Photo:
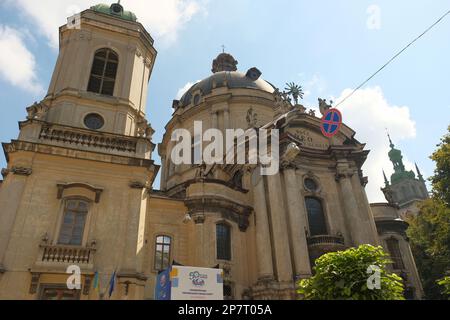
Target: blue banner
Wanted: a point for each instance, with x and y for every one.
(163, 286)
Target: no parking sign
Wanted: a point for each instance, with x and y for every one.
(331, 123)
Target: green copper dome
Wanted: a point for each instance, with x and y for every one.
(115, 10)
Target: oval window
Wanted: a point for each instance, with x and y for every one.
(311, 185)
(94, 121)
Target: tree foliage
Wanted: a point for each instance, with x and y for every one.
(429, 234)
(344, 275)
(445, 284)
(429, 231)
(441, 178)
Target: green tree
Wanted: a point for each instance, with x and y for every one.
(344, 275)
(429, 234)
(429, 231)
(441, 178)
(445, 283)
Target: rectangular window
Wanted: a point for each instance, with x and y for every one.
(223, 240)
(163, 247)
(393, 247)
(58, 293)
(74, 221)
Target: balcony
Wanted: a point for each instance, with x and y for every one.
(322, 244)
(59, 256)
(88, 139)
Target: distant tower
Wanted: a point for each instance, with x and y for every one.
(404, 190)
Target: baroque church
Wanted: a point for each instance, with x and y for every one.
(78, 187)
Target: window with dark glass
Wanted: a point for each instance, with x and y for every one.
(162, 252)
(94, 121)
(310, 185)
(223, 240)
(103, 73)
(393, 247)
(58, 293)
(74, 221)
(316, 217)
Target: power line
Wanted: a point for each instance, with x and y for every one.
(393, 58)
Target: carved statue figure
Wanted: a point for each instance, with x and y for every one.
(324, 106)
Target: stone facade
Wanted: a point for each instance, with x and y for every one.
(58, 159)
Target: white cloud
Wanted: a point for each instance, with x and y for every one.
(17, 63)
(163, 19)
(370, 114)
(185, 88)
(315, 86)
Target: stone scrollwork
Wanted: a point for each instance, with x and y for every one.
(37, 111)
(22, 171)
(289, 156)
(282, 102)
(144, 129)
(343, 174)
(199, 218)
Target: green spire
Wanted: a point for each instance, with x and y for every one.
(395, 155)
(386, 181)
(419, 174)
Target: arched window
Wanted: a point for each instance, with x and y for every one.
(223, 241)
(393, 247)
(163, 248)
(103, 73)
(74, 221)
(316, 217)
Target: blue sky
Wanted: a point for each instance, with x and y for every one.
(326, 46)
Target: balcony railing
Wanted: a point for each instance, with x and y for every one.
(66, 254)
(87, 138)
(325, 240)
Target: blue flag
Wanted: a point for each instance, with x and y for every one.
(112, 284)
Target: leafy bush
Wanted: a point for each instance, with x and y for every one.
(344, 275)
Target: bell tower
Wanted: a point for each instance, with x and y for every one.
(404, 189)
(75, 190)
(105, 61)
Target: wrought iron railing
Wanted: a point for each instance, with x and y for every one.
(325, 239)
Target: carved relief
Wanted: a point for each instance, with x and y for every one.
(37, 111)
(252, 118)
(22, 171)
(144, 129)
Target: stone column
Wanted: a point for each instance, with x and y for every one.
(263, 245)
(353, 217)
(199, 242)
(279, 229)
(136, 212)
(297, 224)
(10, 199)
(215, 122)
(165, 165)
(226, 119)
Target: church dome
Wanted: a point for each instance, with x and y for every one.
(115, 10)
(225, 74)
